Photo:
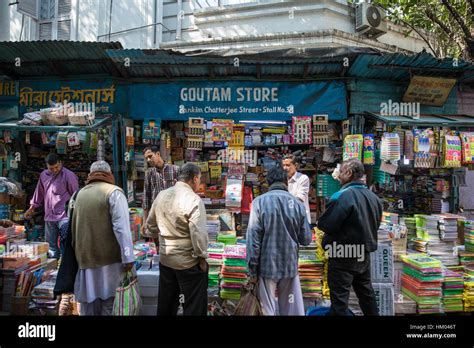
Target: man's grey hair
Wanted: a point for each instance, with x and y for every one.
(356, 167)
(100, 166)
(188, 172)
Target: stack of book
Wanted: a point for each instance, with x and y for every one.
(234, 271)
(227, 237)
(215, 260)
(468, 295)
(453, 287)
(422, 281)
(310, 269)
(43, 298)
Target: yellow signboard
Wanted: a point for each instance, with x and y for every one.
(427, 90)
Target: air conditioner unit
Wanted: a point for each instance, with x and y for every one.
(370, 20)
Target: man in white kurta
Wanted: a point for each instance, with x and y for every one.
(298, 184)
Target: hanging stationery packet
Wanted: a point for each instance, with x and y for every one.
(353, 146)
(467, 139)
(73, 139)
(61, 142)
(409, 145)
(301, 130)
(369, 149)
(452, 151)
(390, 147)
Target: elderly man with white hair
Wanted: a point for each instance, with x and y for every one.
(101, 240)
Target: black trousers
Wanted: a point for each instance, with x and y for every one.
(344, 273)
(187, 287)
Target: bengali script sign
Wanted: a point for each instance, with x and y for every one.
(426, 90)
(30, 97)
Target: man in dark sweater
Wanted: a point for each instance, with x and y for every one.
(350, 224)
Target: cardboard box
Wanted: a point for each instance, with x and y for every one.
(381, 263)
(384, 294)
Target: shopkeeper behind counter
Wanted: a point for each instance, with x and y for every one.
(159, 176)
(298, 184)
(55, 187)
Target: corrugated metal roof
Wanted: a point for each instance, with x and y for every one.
(426, 120)
(53, 58)
(221, 63)
(398, 66)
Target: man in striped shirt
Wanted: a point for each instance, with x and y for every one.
(158, 177)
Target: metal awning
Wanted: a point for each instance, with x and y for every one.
(454, 121)
(98, 122)
(39, 59)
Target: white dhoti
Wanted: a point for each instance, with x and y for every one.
(281, 297)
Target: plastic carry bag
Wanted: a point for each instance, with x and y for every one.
(249, 303)
(127, 297)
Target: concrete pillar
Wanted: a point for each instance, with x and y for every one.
(4, 21)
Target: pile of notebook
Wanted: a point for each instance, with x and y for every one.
(466, 258)
(213, 227)
(453, 288)
(448, 227)
(310, 269)
(234, 271)
(410, 223)
(227, 237)
(469, 236)
(468, 295)
(427, 227)
(422, 281)
(42, 296)
(215, 260)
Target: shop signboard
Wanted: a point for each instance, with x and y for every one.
(238, 100)
(427, 90)
(101, 96)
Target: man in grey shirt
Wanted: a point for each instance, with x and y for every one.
(278, 225)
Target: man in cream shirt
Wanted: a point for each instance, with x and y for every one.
(178, 220)
(298, 184)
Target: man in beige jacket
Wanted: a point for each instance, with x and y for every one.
(178, 219)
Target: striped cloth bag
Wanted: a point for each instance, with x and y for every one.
(249, 303)
(127, 297)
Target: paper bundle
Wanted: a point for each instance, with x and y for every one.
(422, 282)
(227, 237)
(234, 271)
(468, 295)
(310, 269)
(453, 287)
(469, 236)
